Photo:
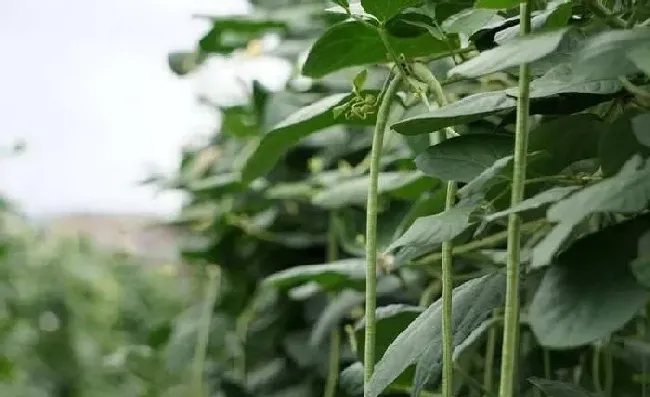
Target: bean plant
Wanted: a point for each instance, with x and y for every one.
(454, 205)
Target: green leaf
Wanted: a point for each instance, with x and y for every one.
(412, 24)
(564, 78)
(338, 308)
(627, 192)
(605, 55)
(392, 320)
(405, 184)
(496, 4)
(477, 186)
(546, 197)
(300, 124)
(590, 292)
(465, 157)
(421, 341)
(556, 15)
(640, 55)
(356, 44)
(469, 21)
(471, 108)
(384, 9)
(621, 141)
(347, 273)
(343, 3)
(565, 140)
(427, 233)
(514, 52)
(554, 388)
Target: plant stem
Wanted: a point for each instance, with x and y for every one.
(335, 335)
(200, 352)
(511, 322)
(423, 73)
(371, 229)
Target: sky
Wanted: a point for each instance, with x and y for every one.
(85, 84)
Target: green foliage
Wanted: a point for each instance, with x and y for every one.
(262, 208)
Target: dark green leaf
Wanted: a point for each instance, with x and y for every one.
(496, 4)
(554, 388)
(627, 192)
(426, 234)
(421, 341)
(621, 141)
(479, 185)
(300, 124)
(385, 9)
(470, 108)
(356, 44)
(465, 157)
(514, 52)
(590, 291)
(411, 24)
(347, 273)
(546, 197)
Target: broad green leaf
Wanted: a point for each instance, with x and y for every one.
(514, 52)
(622, 140)
(338, 308)
(565, 140)
(546, 197)
(355, 191)
(426, 234)
(471, 108)
(384, 9)
(421, 341)
(478, 186)
(590, 292)
(412, 24)
(346, 273)
(554, 388)
(355, 44)
(300, 124)
(465, 157)
(469, 21)
(564, 78)
(556, 15)
(391, 321)
(605, 55)
(640, 55)
(496, 4)
(627, 192)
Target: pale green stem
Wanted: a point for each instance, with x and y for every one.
(424, 74)
(371, 229)
(511, 322)
(211, 293)
(335, 335)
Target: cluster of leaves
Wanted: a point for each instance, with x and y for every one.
(78, 322)
(278, 198)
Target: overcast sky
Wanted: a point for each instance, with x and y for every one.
(85, 83)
